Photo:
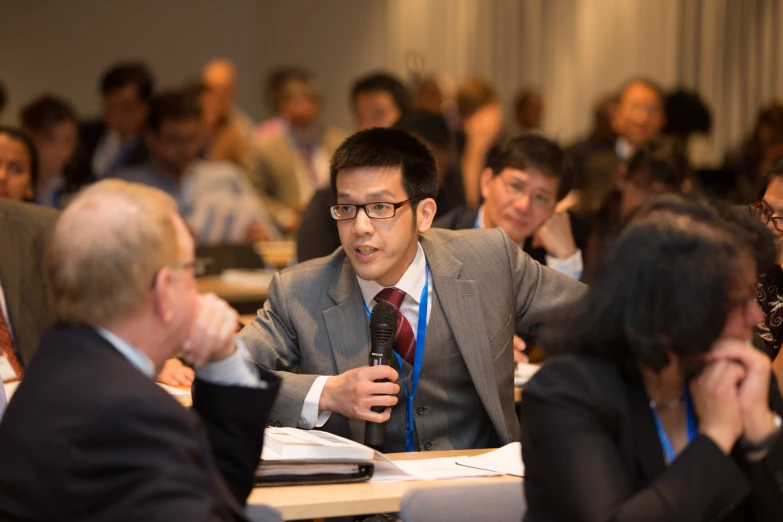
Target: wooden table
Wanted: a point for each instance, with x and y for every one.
(232, 293)
(336, 500)
(278, 254)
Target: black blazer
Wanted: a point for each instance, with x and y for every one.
(592, 453)
(90, 135)
(88, 437)
(465, 217)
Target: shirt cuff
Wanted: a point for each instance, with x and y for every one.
(571, 266)
(234, 370)
(310, 417)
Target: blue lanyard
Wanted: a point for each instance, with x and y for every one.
(668, 449)
(421, 332)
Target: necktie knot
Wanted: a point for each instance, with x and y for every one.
(391, 295)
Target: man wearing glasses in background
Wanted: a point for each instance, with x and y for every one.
(769, 210)
(460, 296)
(521, 189)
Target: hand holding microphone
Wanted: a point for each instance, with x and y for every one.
(383, 326)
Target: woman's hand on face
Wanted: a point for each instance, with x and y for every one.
(715, 395)
(753, 390)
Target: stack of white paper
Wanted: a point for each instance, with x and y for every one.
(506, 460)
(424, 469)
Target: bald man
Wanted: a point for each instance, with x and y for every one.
(220, 78)
(88, 430)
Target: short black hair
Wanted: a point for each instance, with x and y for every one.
(686, 113)
(668, 285)
(385, 82)
(774, 171)
(389, 148)
(429, 126)
(659, 161)
(534, 151)
(176, 105)
(129, 73)
(21, 136)
(46, 111)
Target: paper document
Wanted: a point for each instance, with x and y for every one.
(424, 469)
(524, 372)
(292, 443)
(506, 460)
(175, 392)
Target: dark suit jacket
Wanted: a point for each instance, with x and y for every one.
(465, 217)
(24, 231)
(317, 235)
(592, 453)
(90, 135)
(89, 437)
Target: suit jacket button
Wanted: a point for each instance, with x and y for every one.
(420, 410)
(428, 446)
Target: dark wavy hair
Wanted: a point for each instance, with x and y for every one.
(22, 137)
(668, 285)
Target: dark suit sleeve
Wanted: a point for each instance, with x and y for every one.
(235, 418)
(139, 461)
(573, 453)
(317, 235)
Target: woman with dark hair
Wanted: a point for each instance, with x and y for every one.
(18, 165)
(51, 123)
(654, 407)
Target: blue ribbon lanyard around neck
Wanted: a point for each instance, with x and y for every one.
(421, 333)
(668, 449)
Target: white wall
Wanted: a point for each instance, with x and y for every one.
(63, 46)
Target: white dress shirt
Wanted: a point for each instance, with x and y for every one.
(412, 283)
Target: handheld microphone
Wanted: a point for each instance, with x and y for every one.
(383, 326)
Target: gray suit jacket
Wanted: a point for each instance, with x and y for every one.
(24, 230)
(314, 320)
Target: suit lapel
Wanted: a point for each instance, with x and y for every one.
(459, 298)
(10, 270)
(347, 322)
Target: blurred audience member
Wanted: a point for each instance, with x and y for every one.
(756, 154)
(432, 129)
(215, 198)
(639, 119)
(53, 126)
(379, 100)
(652, 379)
(227, 127)
(529, 110)
(427, 95)
(3, 99)
(656, 168)
(88, 430)
(275, 125)
(481, 124)
(115, 141)
(24, 307)
(602, 137)
(769, 209)
(18, 165)
(520, 192)
(289, 167)
(688, 123)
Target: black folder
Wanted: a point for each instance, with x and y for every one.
(313, 471)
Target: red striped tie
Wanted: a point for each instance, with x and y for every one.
(404, 341)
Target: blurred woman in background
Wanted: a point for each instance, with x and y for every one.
(18, 165)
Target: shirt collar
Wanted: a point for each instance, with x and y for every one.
(411, 282)
(134, 356)
(623, 148)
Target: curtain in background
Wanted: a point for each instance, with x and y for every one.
(578, 51)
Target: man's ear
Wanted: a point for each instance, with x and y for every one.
(425, 213)
(486, 182)
(161, 303)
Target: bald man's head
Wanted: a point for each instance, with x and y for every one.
(220, 78)
(106, 250)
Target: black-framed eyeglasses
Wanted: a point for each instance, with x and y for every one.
(761, 211)
(376, 210)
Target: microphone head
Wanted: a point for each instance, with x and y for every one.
(383, 322)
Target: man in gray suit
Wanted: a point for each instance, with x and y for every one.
(479, 289)
(24, 230)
